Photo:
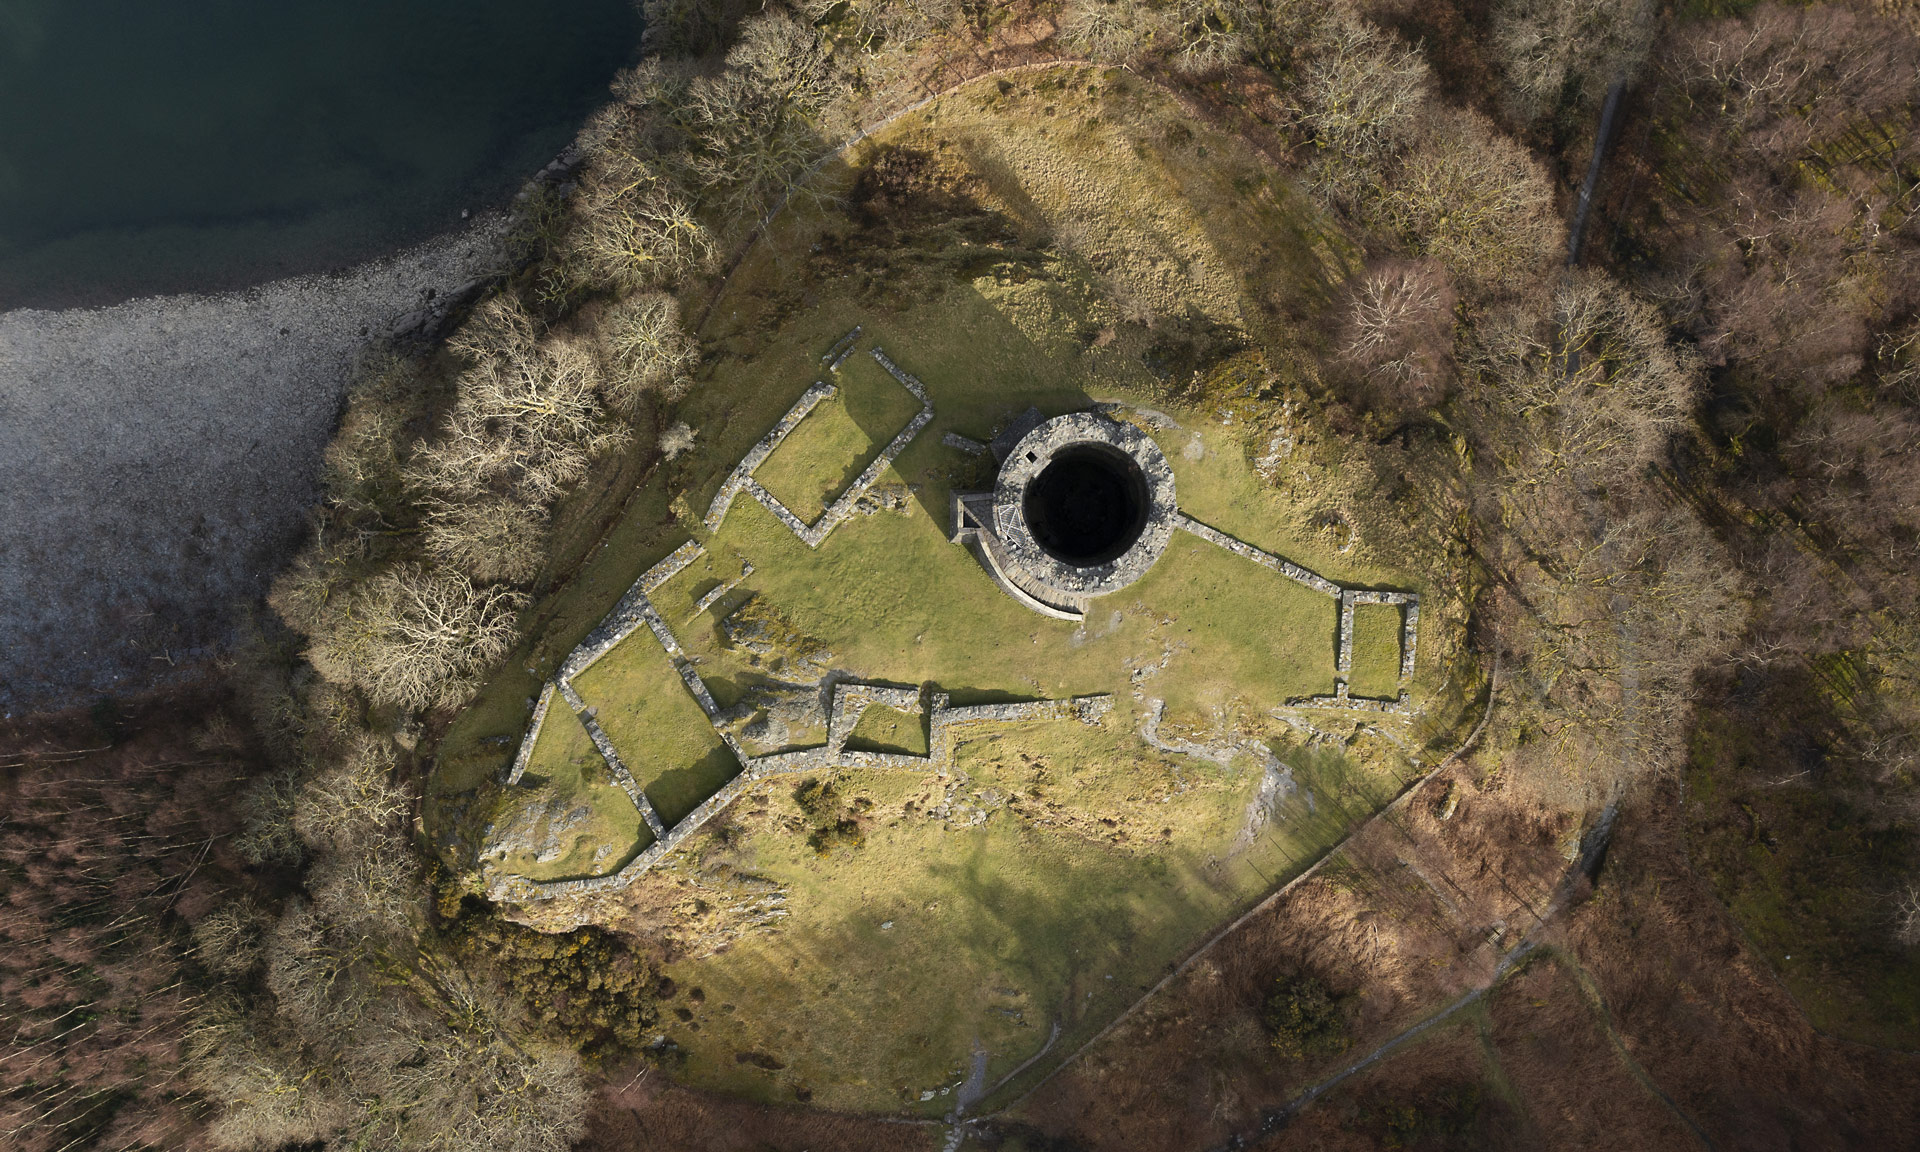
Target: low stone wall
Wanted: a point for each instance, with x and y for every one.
(1286, 568)
(532, 736)
(837, 512)
(849, 700)
(620, 774)
(908, 381)
(627, 615)
(633, 610)
(1340, 700)
(1349, 599)
(721, 589)
(757, 455)
(1343, 659)
(944, 721)
(842, 348)
(780, 511)
(843, 506)
(1409, 635)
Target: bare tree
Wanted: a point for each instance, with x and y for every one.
(649, 353)
(228, 939)
(873, 25)
(373, 889)
(361, 470)
(1191, 35)
(633, 230)
(682, 27)
(1608, 632)
(757, 126)
(414, 637)
(1397, 334)
(1363, 90)
(1215, 34)
(1791, 139)
(368, 1040)
(1576, 48)
(1614, 599)
(1897, 357)
(1475, 200)
(1906, 916)
(348, 800)
(1787, 80)
(267, 1100)
(1118, 30)
(499, 329)
(529, 423)
(494, 539)
(676, 439)
(1601, 388)
(266, 812)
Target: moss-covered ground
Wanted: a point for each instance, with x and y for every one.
(1811, 874)
(1071, 238)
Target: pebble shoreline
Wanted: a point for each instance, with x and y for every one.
(162, 455)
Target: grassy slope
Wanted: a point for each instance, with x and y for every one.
(566, 764)
(902, 953)
(1102, 868)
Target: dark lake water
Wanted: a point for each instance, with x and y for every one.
(164, 145)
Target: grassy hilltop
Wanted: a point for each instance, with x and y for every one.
(1047, 852)
(1636, 868)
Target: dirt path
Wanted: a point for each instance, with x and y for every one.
(161, 454)
(1272, 898)
(1592, 850)
(1603, 1016)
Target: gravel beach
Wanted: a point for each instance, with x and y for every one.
(160, 454)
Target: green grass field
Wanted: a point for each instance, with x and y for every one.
(1056, 869)
(567, 767)
(883, 729)
(1376, 650)
(663, 737)
(838, 439)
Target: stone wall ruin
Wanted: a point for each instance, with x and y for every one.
(977, 520)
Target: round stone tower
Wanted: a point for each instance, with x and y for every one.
(1083, 506)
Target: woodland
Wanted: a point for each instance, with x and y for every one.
(1629, 322)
